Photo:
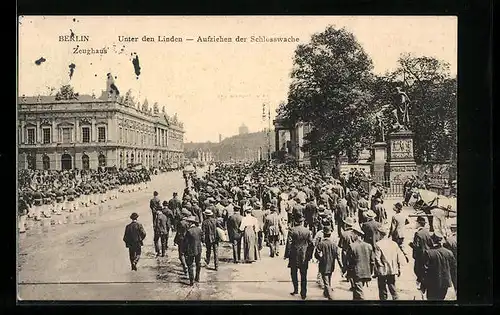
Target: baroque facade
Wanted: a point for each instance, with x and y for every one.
(69, 131)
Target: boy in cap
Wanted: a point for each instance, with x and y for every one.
(396, 231)
(210, 237)
(272, 230)
(359, 263)
(133, 238)
(327, 253)
(388, 259)
(160, 232)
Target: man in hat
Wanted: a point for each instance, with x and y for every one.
(175, 204)
(422, 241)
(299, 250)
(352, 201)
(359, 263)
(272, 230)
(161, 230)
(396, 231)
(388, 259)
(192, 248)
(327, 253)
(379, 210)
(451, 240)
(259, 215)
(154, 205)
(439, 269)
(210, 237)
(363, 206)
(311, 215)
(347, 236)
(298, 208)
(181, 229)
(341, 213)
(133, 237)
(370, 228)
(234, 233)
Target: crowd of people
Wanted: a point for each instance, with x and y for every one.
(44, 193)
(259, 205)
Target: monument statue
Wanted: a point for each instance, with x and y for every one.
(380, 127)
(400, 110)
(155, 108)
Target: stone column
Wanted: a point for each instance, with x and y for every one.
(93, 131)
(38, 132)
(400, 157)
(23, 132)
(379, 160)
(277, 139)
(300, 141)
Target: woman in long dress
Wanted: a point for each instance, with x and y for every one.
(249, 226)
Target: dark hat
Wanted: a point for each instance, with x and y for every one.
(134, 216)
(420, 219)
(398, 205)
(327, 230)
(436, 236)
(155, 193)
(165, 203)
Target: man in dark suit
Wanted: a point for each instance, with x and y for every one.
(160, 233)
(258, 213)
(175, 204)
(299, 250)
(234, 233)
(182, 227)
(154, 205)
(439, 270)
(341, 214)
(210, 237)
(311, 215)
(352, 201)
(327, 253)
(371, 228)
(170, 221)
(133, 238)
(192, 248)
(421, 242)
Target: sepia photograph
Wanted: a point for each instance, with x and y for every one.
(237, 158)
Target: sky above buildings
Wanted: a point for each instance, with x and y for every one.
(213, 87)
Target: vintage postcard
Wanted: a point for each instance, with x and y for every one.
(237, 158)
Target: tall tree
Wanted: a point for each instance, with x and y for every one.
(331, 90)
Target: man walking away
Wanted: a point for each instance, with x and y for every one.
(234, 233)
(299, 250)
(160, 233)
(154, 205)
(360, 263)
(133, 238)
(210, 237)
(421, 242)
(370, 228)
(327, 253)
(192, 249)
(388, 258)
(182, 227)
(396, 231)
(451, 240)
(439, 270)
(272, 230)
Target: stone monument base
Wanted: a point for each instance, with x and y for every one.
(400, 170)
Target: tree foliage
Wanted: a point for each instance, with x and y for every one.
(330, 89)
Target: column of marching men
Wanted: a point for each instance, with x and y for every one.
(49, 194)
(319, 219)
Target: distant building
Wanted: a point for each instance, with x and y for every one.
(243, 129)
(69, 131)
(203, 156)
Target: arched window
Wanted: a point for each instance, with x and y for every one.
(31, 159)
(102, 160)
(66, 162)
(85, 162)
(46, 162)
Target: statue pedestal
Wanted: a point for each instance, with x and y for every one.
(400, 159)
(379, 160)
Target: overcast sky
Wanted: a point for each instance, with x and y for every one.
(213, 87)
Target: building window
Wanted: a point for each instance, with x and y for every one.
(85, 162)
(86, 134)
(66, 135)
(46, 135)
(102, 160)
(46, 162)
(101, 132)
(31, 135)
